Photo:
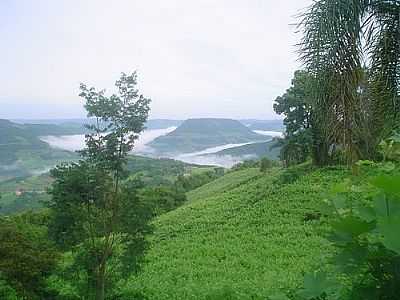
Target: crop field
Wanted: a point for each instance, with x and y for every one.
(226, 183)
(243, 236)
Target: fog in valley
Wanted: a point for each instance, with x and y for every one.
(204, 157)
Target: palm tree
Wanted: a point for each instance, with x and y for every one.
(352, 49)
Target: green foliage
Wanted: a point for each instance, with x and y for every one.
(161, 171)
(351, 50)
(296, 106)
(390, 148)
(225, 183)
(164, 198)
(27, 257)
(291, 174)
(6, 291)
(246, 164)
(70, 279)
(365, 225)
(266, 164)
(92, 206)
(22, 152)
(243, 236)
(195, 180)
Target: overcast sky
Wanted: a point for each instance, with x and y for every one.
(195, 58)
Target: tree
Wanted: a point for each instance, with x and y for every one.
(93, 208)
(296, 106)
(341, 39)
(27, 257)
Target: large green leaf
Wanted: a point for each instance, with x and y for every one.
(385, 206)
(389, 227)
(352, 226)
(388, 184)
(315, 284)
(351, 258)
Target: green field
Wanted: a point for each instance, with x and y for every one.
(228, 182)
(246, 231)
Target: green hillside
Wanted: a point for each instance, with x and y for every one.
(153, 172)
(23, 153)
(246, 233)
(199, 134)
(254, 151)
(228, 182)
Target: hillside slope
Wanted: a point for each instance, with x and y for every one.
(247, 239)
(23, 153)
(198, 134)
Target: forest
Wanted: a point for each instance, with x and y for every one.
(318, 219)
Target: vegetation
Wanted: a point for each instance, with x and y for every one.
(27, 257)
(351, 51)
(120, 227)
(22, 153)
(29, 193)
(93, 210)
(296, 147)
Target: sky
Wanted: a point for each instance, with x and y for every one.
(194, 58)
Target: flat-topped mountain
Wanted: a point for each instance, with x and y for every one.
(199, 134)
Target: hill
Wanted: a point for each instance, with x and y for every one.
(199, 134)
(28, 192)
(23, 153)
(242, 236)
(253, 151)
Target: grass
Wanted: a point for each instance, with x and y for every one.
(228, 182)
(243, 236)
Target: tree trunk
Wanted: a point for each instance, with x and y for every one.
(100, 282)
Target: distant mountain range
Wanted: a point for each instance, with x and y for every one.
(78, 124)
(253, 124)
(199, 134)
(22, 152)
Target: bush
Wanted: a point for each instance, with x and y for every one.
(266, 164)
(247, 164)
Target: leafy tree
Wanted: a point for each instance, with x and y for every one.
(266, 164)
(193, 181)
(296, 106)
(93, 208)
(164, 198)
